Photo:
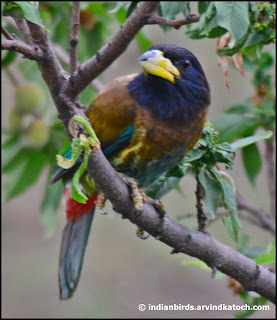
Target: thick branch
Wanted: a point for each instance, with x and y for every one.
(50, 68)
(194, 243)
(265, 221)
(75, 23)
(104, 57)
(156, 19)
(31, 52)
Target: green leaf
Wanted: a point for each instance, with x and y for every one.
(258, 37)
(50, 204)
(241, 108)
(228, 196)
(233, 16)
(167, 181)
(171, 8)
(233, 126)
(13, 139)
(119, 5)
(253, 51)
(232, 225)
(252, 161)
(202, 6)
(9, 58)
(257, 301)
(207, 25)
(27, 8)
(231, 222)
(212, 192)
(12, 153)
(249, 140)
(26, 173)
(195, 154)
(15, 159)
(268, 257)
(131, 8)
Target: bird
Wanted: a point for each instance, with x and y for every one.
(146, 123)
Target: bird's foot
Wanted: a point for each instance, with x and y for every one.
(100, 202)
(140, 234)
(137, 194)
(139, 198)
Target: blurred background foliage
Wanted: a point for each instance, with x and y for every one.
(238, 32)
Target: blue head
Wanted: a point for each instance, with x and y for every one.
(173, 85)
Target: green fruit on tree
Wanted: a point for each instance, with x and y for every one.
(36, 135)
(15, 118)
(29, 97)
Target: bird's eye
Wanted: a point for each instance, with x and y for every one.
(186, 64)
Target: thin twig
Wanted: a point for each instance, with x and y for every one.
(252, 220)
(265, 221)
(24, 30)
(6, 33)
(90, 69)
(75, 23)
(64, 57)
(156, 19)
(201, 217)
(269, 155)
(31, 52)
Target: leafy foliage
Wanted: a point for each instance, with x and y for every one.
(23, 9)
(218, 186)
(244, 119)
(251, 24)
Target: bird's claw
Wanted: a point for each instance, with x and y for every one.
(140, 234)
(139, 198)
(101, 210)
(100, 202)
(162, 228)
(136, 193)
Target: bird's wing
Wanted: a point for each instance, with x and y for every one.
(111, 115)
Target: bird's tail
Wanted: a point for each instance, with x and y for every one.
(74, 241)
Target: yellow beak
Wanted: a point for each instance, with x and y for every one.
(155, 63)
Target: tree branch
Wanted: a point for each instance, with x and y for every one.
(258, 213)
(181, 238)
(111, 51)
(50, 68)
(156, 19)
(6, 33)
(201, 217)
(24, 30)
(31, 52)
(75, 23)
(63, 56)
